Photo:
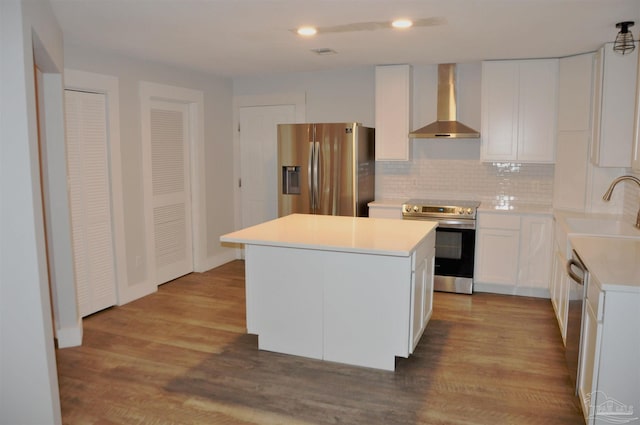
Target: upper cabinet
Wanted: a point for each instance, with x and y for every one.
(635, 157)
(519, 104)
(613, 108)
(575, 84)
(393, 102)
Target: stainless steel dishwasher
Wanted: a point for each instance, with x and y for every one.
(578, 282)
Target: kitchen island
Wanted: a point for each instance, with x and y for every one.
(351, 290)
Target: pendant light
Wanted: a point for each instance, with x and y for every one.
(624, 40)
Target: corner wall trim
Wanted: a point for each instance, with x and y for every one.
(70, 336)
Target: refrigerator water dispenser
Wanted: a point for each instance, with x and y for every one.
(291, 180)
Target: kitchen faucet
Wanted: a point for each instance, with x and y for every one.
(607, 194)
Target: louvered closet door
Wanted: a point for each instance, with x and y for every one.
(171, 190)
(89, 195)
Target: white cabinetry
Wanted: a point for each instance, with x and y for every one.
(635, 158)
(609, 382)
(519, 104)
(421, 289)
(513, 253)
(350, 307)
(559, 289)
(613, 111)
(393, 114)
(536, 244)
(497, 246)
(574, 132)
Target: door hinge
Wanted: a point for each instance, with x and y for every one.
(239, 182)
(238, 127)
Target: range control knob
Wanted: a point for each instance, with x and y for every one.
(469, 211)
(461, 211)
(416, 208)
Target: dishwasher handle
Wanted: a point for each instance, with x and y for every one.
(578, 279)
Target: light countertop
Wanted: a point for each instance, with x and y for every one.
(515, 208)
(615, 262)
(336, 233)
(388, 203)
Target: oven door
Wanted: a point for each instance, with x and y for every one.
(455, 251)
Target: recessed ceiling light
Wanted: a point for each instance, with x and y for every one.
(307, 31)
(401, 23)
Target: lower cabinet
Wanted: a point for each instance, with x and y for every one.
(361, 309)
(513, 253)
(497, 246)
(559, 289)
(609, 380)
(421, 290)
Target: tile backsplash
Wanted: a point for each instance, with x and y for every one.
(631, 203)
(434, 172)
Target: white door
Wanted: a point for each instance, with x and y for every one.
(89, 197)
(171, 200)
(258, 160)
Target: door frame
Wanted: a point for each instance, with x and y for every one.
(194, 99)
(298, 99)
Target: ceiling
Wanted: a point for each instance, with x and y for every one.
(249, 37)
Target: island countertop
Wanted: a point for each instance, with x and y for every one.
(337, 233)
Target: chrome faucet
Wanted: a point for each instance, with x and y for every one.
(607, 194)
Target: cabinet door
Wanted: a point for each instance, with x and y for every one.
(575, 81)
(589, 362)
(537, 110)
(393, 100)
(559, 295)
(535, 251)
(497, 256)
(554, 288)
(635, 158)
(499, 110)
(614, 102)
(418, 300)
(422, 289)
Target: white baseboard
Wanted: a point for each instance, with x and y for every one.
(220, 259)
(511, 290)
(70, 336)
(134, 292)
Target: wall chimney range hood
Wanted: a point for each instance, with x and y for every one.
(446, 126)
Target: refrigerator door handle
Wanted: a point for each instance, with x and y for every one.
(316, 177)
(310, 176)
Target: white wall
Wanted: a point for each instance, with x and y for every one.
(218, 146)
(332, 96)
(28, 377)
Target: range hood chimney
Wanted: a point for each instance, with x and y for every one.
(446, 127)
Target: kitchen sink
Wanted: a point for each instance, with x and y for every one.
(569, 225)
(601, 227)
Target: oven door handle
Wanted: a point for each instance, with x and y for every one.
(456, 224)
(570, 264)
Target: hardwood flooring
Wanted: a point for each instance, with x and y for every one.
(181, 356)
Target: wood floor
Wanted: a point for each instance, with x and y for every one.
(181, 356)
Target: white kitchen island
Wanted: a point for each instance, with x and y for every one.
(345, 289)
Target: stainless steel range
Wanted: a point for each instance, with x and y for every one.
(455, 240)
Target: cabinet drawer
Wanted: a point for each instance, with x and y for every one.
(499, 221)
(595, 298)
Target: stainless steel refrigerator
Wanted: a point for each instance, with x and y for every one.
(325, 169)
